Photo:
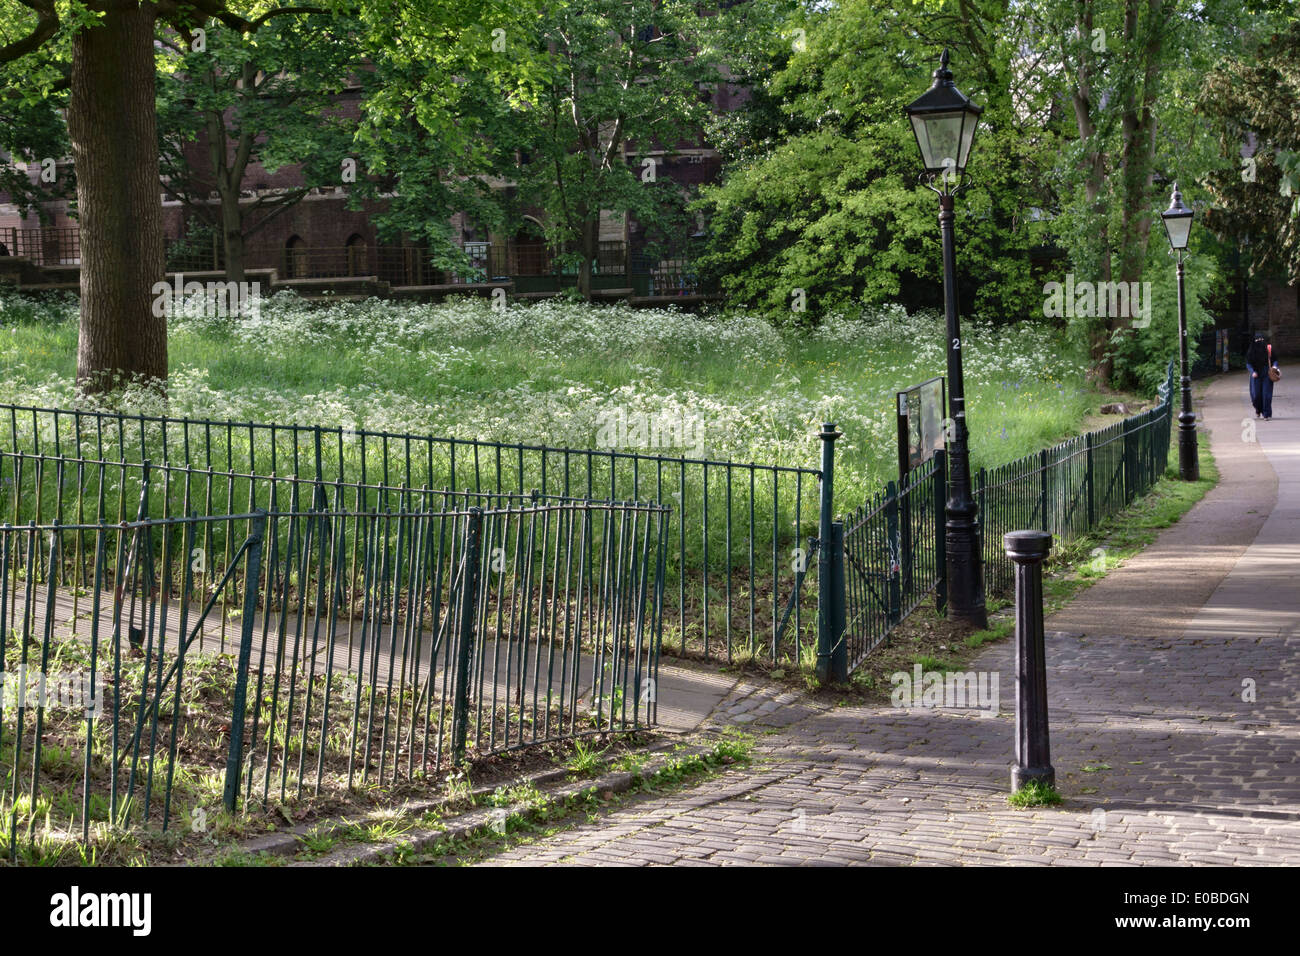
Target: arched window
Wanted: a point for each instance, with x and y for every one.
(358, 260)
(295, 258)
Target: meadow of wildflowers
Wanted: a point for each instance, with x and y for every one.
(552, 372)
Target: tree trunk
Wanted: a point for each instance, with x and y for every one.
(232, 230)
(112, 126)
(1094, 166)
(229, 173)
(590, 249)
(1137, 152)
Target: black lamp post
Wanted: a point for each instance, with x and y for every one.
(944, 120)
(1178, 224)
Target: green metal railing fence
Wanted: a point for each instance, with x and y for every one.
(365, 648)
(403, 265)
(889, 554)
(737, 561)
(1067, 489)
(893, 555)
(733, 529)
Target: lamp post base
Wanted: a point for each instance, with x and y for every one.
(964, 569)
(1046, 776)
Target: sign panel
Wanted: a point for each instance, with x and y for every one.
(920, 424)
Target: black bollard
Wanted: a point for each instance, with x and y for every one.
(1028, 549)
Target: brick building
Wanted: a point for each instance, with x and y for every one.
(319, 238)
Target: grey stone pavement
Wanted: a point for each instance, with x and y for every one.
(1175, 719)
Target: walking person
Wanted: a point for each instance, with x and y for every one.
(1263, 373)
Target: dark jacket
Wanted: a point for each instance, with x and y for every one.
(1257, 357)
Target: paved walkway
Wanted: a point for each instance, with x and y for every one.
(1175, 719)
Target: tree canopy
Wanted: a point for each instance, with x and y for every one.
(1093, 108)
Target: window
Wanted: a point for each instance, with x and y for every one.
(358, 260)
(295, 258)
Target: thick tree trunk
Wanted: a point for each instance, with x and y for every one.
(232, 230)
(1139, 151)
(111, 123)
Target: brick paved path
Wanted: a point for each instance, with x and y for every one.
(1159, 756)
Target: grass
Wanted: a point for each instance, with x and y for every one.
(539, 815)
(546, 373)
(995, 633)
(522, 813)
(585, 758)
(1035, 794)
(558, 374)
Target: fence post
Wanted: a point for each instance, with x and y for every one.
(905, 518)
(1089, 483)
(982, 524)
(252, 575)
(1145, 456)
(895, 611)
(1130, 471)
(1028, 549)
(1042, 490)
(464, 649)
(826, 593)
(940, 538)
(839, 649)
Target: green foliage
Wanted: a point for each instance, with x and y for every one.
(820, 193)
(33, 95)
(603, 75)
(803, 218)
(754, 40)
(1129, 128)
(1289, 164)
(31, 133)
(825, 198)
(435, 123)
(1141, 356)
(266, 98)
(1257, 198)
(499, 109)
(540, 97)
